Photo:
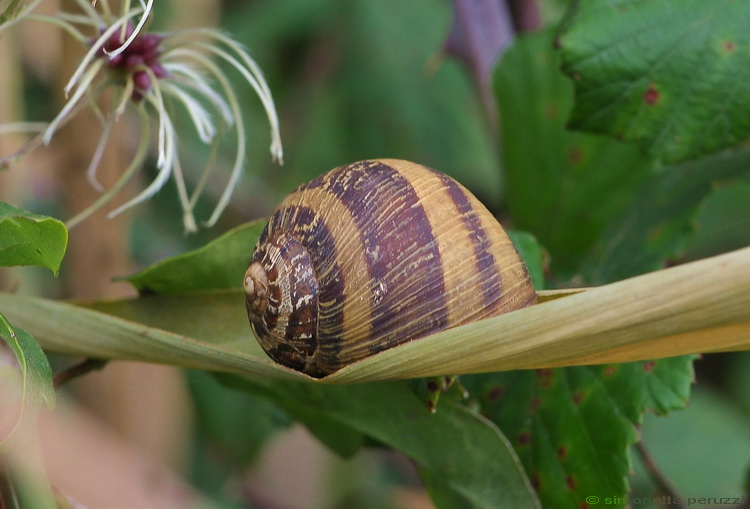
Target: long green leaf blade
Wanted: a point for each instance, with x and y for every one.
(703, 306)
(218, 265)
(36, 376)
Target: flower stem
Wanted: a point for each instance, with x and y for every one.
(135, 164)
(662, 483)
(77, 370)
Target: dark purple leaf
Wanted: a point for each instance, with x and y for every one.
(481, 30)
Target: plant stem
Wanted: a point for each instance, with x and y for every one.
(526, 16)
(77, 370)
(9, 11)
(8, 495)
(662, 483)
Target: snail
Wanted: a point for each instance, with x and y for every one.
(372, 255)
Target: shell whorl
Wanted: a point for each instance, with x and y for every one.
(282, 299)
(396, 250)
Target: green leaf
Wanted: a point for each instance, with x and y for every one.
(660, 220)
(341, 438)
(532, 254)
(459, 454)
(228, 441)
(573, 427)
(672, 74)
(561, 186)
(36, 374)
(723, 220)
(712, 436)
(236, 437)
(31, 239)
(218, 265)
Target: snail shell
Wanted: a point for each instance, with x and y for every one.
(374, 254)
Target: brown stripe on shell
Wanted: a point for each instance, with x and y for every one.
(518, 292)
(406, 286)
(302, 322)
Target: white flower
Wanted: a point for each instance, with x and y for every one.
(149, 71)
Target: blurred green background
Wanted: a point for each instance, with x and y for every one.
(356, 79)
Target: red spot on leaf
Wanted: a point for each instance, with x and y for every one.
(535, 403)
(543, 372)
(575, 155)
(544, 376)
(524, 438)
(729, 46)
(673, 261)
(496, 393)
(571, 483)
(535, 481)
(648, 366)
(551, 111)
(577, 397)
(610, 370)
(562, 452)
(651, 96)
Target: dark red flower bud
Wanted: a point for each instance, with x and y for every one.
(133, 60)
(116, 61)
(142, 81)
(143, 51)
(159, 70)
